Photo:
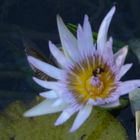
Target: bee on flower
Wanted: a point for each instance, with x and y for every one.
(88, 74)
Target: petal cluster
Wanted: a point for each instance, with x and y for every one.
(88, 74)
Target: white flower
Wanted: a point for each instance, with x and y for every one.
(88, 75)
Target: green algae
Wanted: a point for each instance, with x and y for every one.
(101, 125)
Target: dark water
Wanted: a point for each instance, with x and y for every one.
(35, 20)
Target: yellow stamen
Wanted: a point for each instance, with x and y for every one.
(94, 79)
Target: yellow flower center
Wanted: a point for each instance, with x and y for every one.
(91, 78)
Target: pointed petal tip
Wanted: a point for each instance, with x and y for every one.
(62, 119)
(123, 70)
(45, 107)
(30, 58)
(125, 49)
(35, 79)
(72, 130)
(58, 17)
(113, 8)
(56, 123)
(59, 121)
(131, 64)
(49, 94)
(65, 115)
(81, 117)
(39, 81)
(28, 114)
(111, 39)
(25, 114)
(111, 13)
(59, 20)
(49, 42)
(128, 86)
(60, 23)
(103, 30)
(42, 95)
(86, 17)
(120, 56)
(79, 27)
(126, 46)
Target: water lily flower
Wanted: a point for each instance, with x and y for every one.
(88, 74)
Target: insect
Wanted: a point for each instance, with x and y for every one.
(98, 71)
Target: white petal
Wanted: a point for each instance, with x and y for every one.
(120, 56)
(65, 33)
(47, 68)
(58, 55)
(81, 41)
(49, 85)
(45, 107)
(81, 117)
(57, 102)
(124, 70)
(92, 102)
(102, 34)
(72, 51)
(108, 53)
(65, 115)
(88, 34)
(49, 94)
(110, 105)
(128, 86)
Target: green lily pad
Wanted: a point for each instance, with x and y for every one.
(101, 125)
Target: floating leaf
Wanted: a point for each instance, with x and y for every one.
(101, 125)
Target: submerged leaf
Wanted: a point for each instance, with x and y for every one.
(30, 49)
(135, 47)
(134, 97)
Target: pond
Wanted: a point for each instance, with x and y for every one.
(25, 29)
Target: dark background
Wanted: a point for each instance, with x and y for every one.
(35, 20)
(40, 16)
